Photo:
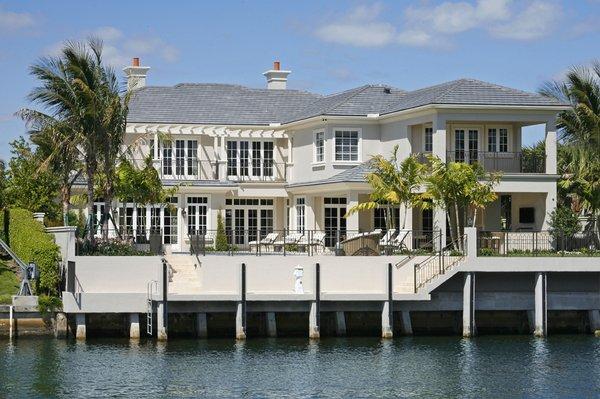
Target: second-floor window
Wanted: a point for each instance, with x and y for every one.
(319, 148)
(181, 162)
(346, 145)
(497, 139)
(428, 139)
(250, 158)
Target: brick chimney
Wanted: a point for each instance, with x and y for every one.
(136, 74)
(276, 78)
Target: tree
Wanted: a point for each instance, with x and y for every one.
(27, 186)
(76, 88)
(580, 136)
(58, 149)
(394, 184)
(221, 243)
(461, 190)
(564, 223)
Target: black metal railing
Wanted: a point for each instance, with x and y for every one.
(339, 242)
(182, 168)
(439, 262)
(537, 243)
(509, 162)
(256, 170)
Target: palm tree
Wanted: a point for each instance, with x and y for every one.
(393, 185)
(580, 136)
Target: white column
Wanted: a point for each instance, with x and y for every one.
(80, 331)
(386, 323)
(469, 305)
(340, 324)
(541, 306)
(439, 137)
(550, 206)
(290, 159)
(134, 326)
(240, 333)
(201, 325)
(161, 328)
(271, 325)
(471, 242)
(309, 212)
(352, 220)
(313, 328)
(550, 144)
(406, 323)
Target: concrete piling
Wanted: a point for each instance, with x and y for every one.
(541, 306)
(134, 326)
(60, 326)
(240, 331)
(406, 323)
(386, 322)
(313, 326)
(271, 325)
(469, 305)
(161, 327)
(80, 330)
(201, 325)
(340, 324)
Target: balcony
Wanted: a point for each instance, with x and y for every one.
(256, 170)
(507, 162)
(183, 169)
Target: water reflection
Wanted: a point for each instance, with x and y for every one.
(429, 367)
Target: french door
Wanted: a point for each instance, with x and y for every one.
(250, 159)
(466, 145)
(245, 218)
(197, 211)
(335, 223)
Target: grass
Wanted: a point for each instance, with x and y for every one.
(9, 283)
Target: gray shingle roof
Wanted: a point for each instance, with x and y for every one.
(356, 174)
(224, 104)
(215, 104)
(469, 91)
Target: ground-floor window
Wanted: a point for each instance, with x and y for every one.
(197, 211)
(335, 223)
(381, 216)
(170, 222)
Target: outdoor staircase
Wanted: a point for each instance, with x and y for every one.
(435, 271)
(185, 278)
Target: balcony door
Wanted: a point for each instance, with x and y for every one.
(245, 218)
(250, 160)
(335, 209)
(466, 145)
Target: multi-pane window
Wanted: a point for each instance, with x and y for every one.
(167, 155)
(346, 145)
(492, 140)
(503, 145)
(335, 222)
(473, 145)
(381, 216)
(170, 222)
(428, 139)
(300, 214)
(197, 210)
(319, 146)
(459, 145)
(179, 157)
(498, 139)
(250, 158)
(192, 157)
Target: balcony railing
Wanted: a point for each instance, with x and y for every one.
(509, 162)
(537, 243)
(256, 170)
(183, 168)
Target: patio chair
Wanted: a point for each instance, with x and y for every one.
(387, 239)
(290, 239)
(269, 239)
(318, 240)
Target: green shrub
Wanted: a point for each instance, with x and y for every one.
(564, 223)
(28, 239)
(111, 248)
(49, 304)
(9, 284)
(487, 252)
(221, 243)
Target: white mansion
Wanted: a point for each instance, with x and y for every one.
(275, 159)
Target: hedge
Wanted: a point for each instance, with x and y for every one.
(28, 239)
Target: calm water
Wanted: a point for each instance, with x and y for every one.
(428, 367)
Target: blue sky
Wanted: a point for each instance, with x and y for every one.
(329, 46)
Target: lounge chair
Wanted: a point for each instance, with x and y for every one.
(387, 240)
(269, 239)
(316, 239)
(292, 238)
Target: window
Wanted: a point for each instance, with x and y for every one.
(428, 139)
(319, 149)
(300, 214)
(527, 215)
(382, 215)
(197, 210)
(186, 162)
(346, 145)
(170, 222)
(167, 158)
(250, 158)
(192, 157)
(497, 139)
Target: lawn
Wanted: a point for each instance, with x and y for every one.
(9, 283)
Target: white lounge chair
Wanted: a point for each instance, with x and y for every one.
(269, 239)
(316, 239)
(387, 239)
(292, 238)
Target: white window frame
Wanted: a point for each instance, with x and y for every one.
(251, 176)
(509, 141)
(358, 151)
(208, 197)
(315, 160)
(172, 143)
(296, 215)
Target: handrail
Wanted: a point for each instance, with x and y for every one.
(429, 267)
(14, 256)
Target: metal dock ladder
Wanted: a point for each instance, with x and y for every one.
(151, 288)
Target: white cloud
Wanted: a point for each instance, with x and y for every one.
(119, 49)
(14, 21)
(534, 22)
(434, 25)
(359, 28)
